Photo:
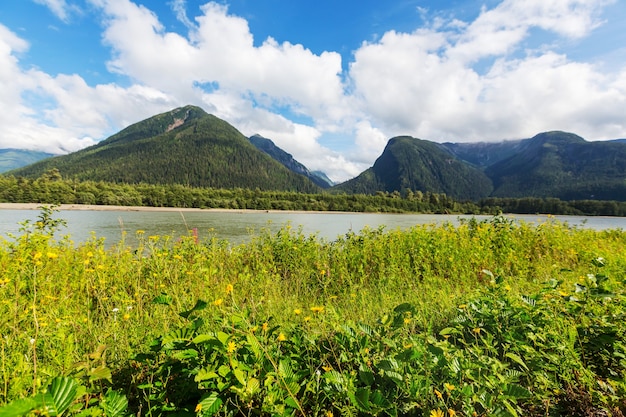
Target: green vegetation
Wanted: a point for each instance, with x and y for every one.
(409, 163)
(489, 318)
(52, 189)
(562, 165)
(185, 146)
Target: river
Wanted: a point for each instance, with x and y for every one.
(238, 226)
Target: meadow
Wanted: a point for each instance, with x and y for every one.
(490, 318)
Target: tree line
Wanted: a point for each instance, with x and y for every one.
(51, 188)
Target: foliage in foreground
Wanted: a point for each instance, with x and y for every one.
(331, 342)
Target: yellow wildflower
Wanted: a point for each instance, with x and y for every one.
(317, 309)
(477, 330)
(198, 407)
(218, 302)
(52, 255)
(451, 412)
(126, 316)
(329, 414)
(229, 289)
(297, 311)
(281, 337)
(438, 394)
(232, 346)
(327, 368)
(449, 387)
(307, 318)
(265, 326)
(436, 413)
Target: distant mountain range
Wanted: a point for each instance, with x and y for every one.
(267, 146)
(16, 158)
(188, 146)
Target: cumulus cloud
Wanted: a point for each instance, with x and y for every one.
(442, 96)
(500, 75)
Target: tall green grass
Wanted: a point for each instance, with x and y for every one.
(88, 309)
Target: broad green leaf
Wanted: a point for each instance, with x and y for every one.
(59, 396)
(448, 331)
(367, 377)
(114, 404)
(209, 404)
(186, 354)
(253, 386)
(163, 299)
(205, 374)
(241, 376)
(516, 391)
(100, 373)
(19, 407)
(203, 338)
(361, 399)
(516, 359)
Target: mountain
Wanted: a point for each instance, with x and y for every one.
(562, 165)
(16, 158)
(183, 146)
(323, 177)
(415, 164)
(483, 154)
(267, 146)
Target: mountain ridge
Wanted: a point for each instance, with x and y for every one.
(188, 146)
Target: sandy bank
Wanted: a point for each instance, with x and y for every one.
(93, 207)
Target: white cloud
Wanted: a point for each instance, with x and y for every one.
(424, 83)
(487, 79)
(60, 8)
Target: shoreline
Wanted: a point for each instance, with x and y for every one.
(95, 207)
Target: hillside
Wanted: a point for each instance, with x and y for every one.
(183, 146)
(562, 165)
(267, 146)
(409, 163)
(16, 158)
(483, 154)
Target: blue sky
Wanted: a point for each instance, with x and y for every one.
(328, 81)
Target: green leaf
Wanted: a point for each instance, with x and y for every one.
(291, 402)
(200, 305)
(516, 359)
(205, 374)
(19, 407)
(163, 299)
(210, 404)
(516, 391)
(367, 377)
(114, 404)
(100, 373)
(241, 376)
(186, 354)
(59, 396)
(361, 399)
(448, 331)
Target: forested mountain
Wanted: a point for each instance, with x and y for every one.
(16, 158)
(483, 154)
(267, 146)
(183, 146)
(413, 164)
(562, 165)
(187, 146)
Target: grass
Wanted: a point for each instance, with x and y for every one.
(491, 318)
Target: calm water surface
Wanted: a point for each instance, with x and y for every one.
(238, 227)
